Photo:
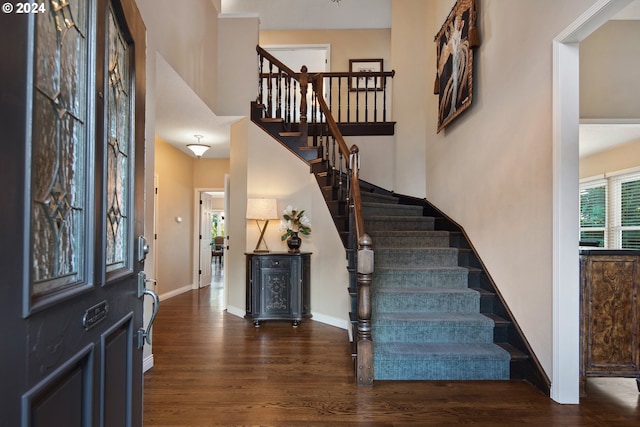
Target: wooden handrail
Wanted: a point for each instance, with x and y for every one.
(275, 61)
(365, 265)
(353, 153)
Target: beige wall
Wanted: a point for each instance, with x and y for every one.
(175, 200)
(609, 70)
(345, 44)
(186, 37)
(491, 169)
(619, 158)
(209, 173)
(237, 40)
(235, 221)
(412, 44)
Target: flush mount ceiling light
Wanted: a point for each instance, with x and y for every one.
(336, 1)
(198, 149)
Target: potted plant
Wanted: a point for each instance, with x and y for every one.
(294, 221)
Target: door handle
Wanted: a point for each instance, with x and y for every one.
(145, 334)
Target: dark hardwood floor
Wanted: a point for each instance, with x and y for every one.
(213, 368)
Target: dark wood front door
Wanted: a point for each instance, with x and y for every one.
(71, 212)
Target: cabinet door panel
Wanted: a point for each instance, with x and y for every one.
(276, 292)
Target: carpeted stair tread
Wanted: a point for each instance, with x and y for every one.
(422, 277)
(439, 256)
(431, 328)
(424, 238)
(475, 318)
(440, 361)
(426, 300)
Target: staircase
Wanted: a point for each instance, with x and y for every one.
(434, 313)
(426, 323)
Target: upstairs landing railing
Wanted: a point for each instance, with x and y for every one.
(358, 101)
(278, 91)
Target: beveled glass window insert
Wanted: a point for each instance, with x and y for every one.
(119, 143)
(59, 147)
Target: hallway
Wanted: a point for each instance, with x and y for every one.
(213, 368)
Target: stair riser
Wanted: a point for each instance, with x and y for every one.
(456, 279)
(433, 369)
(432, 302)
(336, 207)
(330, 193)
(325, 180)
(439, 257)
(410, 241)
(382, 223)
(378, 198)
(430, 332)
(387, 209)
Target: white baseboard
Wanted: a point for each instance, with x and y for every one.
(147, 363)
(236, 311)
(174, 292)
(330, 320)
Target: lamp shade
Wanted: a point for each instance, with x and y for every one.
(262, 209)
(198, 149)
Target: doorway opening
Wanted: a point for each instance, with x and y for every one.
(210, 237)
(566, 114)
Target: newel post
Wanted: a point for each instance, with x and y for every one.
(364, 361)
(304, 85)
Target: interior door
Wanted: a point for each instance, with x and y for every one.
(72, 109)
(206, 240)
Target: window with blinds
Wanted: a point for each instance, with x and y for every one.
(593, 213)
(625, 227)
(610, 211)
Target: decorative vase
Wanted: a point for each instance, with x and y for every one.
(294, 242)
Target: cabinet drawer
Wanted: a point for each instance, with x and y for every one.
(275, 262)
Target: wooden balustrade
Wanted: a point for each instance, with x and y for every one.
(353, 98)
(317, 123)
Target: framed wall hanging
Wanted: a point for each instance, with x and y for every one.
(454, 61)
(364, 82)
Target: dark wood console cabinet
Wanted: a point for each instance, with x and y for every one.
(278, 286)
(609, 314)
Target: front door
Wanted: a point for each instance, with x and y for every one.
(71, 211)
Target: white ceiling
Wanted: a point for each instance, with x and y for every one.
(597, 137)
(180, 113)
(314, 14)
